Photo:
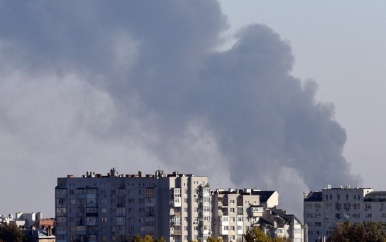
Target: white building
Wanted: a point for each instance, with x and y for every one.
(115, 207)
(22, 220)
(323, 210)
(235, 211)
(33, 225)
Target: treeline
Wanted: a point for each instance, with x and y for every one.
(257, 235)
(253, 235)
(11, 233)
(359, 232)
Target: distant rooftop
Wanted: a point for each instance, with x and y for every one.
(114, 173)
(375, 196)
(314, 197)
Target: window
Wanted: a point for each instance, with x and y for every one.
(338, 206)
(149, 192)
(91, 219)
(91, 210)
(61, 219)
(60, 191)
(239, 211)
(121, 191)
(61, 211)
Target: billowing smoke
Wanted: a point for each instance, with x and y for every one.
(91, 85)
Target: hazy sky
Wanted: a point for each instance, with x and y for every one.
(252, 94)
(340, 45)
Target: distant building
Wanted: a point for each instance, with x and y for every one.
(42, 231)
(177, 207)
(324, 209)
(235, 211)
(116, 207)
(33, 225)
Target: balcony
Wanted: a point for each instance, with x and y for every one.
(150, 202)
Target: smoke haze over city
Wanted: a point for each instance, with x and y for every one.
(91, 85)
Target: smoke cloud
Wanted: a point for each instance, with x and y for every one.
(95, 85)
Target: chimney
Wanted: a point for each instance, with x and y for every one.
(49, 231)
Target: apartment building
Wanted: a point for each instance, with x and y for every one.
(235, 211)
(324, 209)
(117, 206)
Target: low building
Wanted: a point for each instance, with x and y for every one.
(324, 209)
(235, 211)
(33, 225)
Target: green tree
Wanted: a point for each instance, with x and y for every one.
(213, 239)
(367, 231)
(146, 238)
(257, 235)
(11, 233)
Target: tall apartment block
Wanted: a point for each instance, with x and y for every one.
(324, 209)
(116, 206)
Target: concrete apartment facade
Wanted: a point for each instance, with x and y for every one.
(115, 207)
(324, 209)
(177, 207)
(235, 211)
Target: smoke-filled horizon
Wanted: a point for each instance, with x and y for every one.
(95, 85)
